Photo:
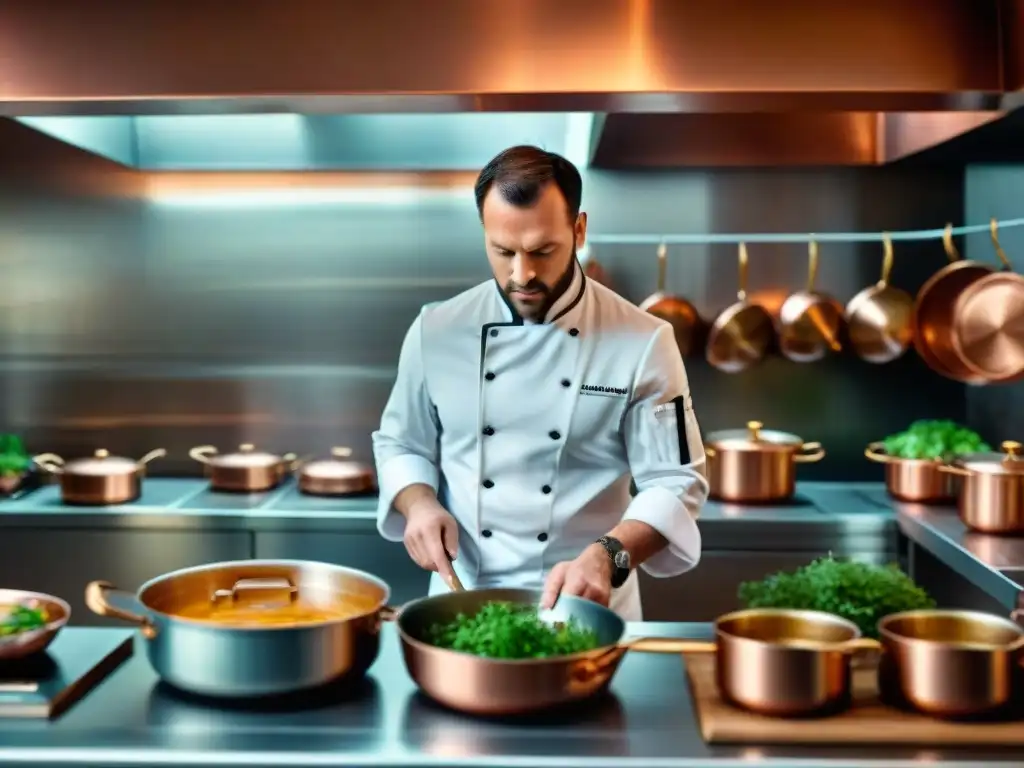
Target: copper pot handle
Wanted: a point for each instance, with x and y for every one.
(51, 462)
(887, 260)
(947, 243)
(809, 453)
(587, 669)
(201, 453)
(709, 452)
(96, 599)
(157, 453)
(949, 469)
(876, 452)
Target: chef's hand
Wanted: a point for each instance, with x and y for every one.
(588, 576)
(432, 537)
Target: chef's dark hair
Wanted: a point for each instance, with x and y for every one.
(522, 172)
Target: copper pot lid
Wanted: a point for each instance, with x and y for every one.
(100, 464)
(336, 467)
(1008, 462)
(247, 457)
(754, 438)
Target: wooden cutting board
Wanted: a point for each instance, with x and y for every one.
(867, 722)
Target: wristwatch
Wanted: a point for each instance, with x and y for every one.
(619, 557)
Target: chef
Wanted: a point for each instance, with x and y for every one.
(523, 407)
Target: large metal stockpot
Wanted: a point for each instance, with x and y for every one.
(215, 657)
(755, 465)
(98, 480)
(992, 496)
(247, 471)
(336, 476)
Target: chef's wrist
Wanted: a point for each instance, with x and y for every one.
(414, 499)
(597, 555)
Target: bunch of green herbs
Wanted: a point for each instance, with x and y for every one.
(14, 459)
(503, 630)
(934, 439)
(21, 618)
(860, 592)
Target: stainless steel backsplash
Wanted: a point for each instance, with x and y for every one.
(129, 324)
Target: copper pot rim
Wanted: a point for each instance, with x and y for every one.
(881, 457)
(140, 594)
(885, 631)
(975, 293)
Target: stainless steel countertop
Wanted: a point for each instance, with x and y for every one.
(647, 722)
(840, 517)
(995, 564)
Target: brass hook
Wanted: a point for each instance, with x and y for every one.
(812, 266)
(947, 242)
(887, 259)
(993, 228)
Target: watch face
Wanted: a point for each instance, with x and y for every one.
(622, 559)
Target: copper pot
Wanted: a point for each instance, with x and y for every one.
(987, 320)
(880, 319)
(951, 664)
(100, 479)
(247, 471)
(753, 465)
(933, 313)
(992, 497)
(809, 321)
(336, 476)
(920, 481)
(743, 333)
(678, 312)
(770, 661)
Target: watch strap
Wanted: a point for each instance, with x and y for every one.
(619, 557)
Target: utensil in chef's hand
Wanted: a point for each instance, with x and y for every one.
(453, 581)
(880, 319)
(988, 316)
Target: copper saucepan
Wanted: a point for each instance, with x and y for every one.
(810, 321)
(100, 479)
(951, 664)
(880, 319)
(774, 662)
(336, 476)
(919, 481)
(992, 496)
(247, 471)
(743, 333)
(988, 322)
(678, 312)
(933, 313)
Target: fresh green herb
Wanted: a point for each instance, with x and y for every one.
(14, 459)
(860, 592)
(934, 439)
(501, 630)
(22, 618)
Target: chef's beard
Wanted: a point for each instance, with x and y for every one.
(539, 311)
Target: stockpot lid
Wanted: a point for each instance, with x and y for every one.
(1007, 462)
(754, 438)
(336, 467)
(247, 456)
(101, 463)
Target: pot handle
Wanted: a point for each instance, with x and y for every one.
(51, 462)
(709, 452)
(876, 452)
(587, 669)
(96, 599)
(202, 453)
(949, 469)
(809, 453)
(157, 453)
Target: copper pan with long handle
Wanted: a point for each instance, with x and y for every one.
(880, 319)
(810, 321)
(678, 312)
(782, 663)
(744, 332)
(988, 322)
(933, 313)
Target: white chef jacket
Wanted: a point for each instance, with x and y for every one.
(530, 434)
